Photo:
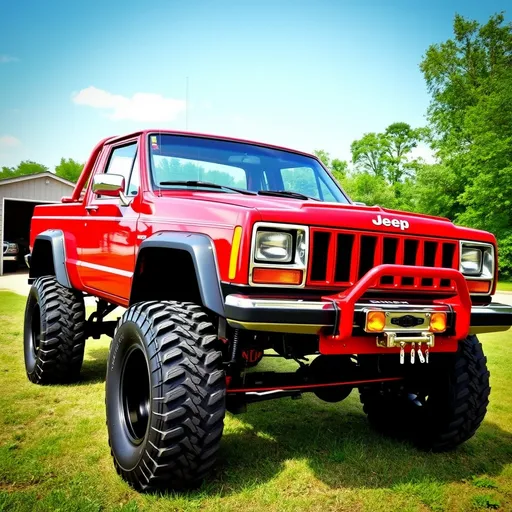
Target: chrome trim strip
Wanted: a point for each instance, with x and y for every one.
(276, 327)
(483, 329)
(493, 307)
(103, 268)
(242, 301)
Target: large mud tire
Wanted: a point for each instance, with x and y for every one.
(165, 396)
(441, 407)
(54, 332)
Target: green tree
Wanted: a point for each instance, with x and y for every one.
(69, 169)
(368, 154)
(339, 168)
(470, 80)
(399, 140)
(369, 189)
(24, 168)
(388, 155)
(323, 156)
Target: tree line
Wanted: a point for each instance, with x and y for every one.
(68, 169)
(469, 131)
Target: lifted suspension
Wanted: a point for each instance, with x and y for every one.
(96, 326)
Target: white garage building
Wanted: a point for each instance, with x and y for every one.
(18, 196)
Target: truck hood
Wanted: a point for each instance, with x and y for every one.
(347, 216)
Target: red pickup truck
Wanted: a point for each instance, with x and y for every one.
(225, 252)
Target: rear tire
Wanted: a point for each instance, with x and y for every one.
(54, 332)
(441, 406)
(165, 395)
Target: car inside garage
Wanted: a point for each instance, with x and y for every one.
(18, 198)
(16, 232)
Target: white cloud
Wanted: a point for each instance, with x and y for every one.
(142, 106)
(4, 59)
(8, 141)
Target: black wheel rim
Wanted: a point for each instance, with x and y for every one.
(35, 329)
(135, 395)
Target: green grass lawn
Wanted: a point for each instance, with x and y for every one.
(504, 286)
(279, 456)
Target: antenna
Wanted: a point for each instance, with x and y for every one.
(186, 105)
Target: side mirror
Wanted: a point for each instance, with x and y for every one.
(111, 185)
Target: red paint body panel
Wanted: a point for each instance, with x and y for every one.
(102, 244)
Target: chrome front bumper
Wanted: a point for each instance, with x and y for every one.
(311, 317)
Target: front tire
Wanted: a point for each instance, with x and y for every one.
(165, 395)
(439, 406)
(54, 332)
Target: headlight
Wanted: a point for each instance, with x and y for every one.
(471, 261)
(274, 247)
(477, 260)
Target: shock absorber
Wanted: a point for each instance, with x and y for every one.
(234, 350)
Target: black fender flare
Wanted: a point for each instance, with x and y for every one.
(202, 251)
(39, 267)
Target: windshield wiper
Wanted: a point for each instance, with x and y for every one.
(207, 184)
(286, 193)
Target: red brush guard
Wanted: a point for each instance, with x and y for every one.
(342, 342)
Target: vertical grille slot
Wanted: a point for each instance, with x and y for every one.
(389, 255)
(366, 254)
(447, 260)
(429, 260)
(320, 250)
(344, 257)
(410, 251)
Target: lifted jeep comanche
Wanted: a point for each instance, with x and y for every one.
(224, 252)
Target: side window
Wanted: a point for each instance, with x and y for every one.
(301, 180)
(121, 162)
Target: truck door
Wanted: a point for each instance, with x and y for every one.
(108, 240)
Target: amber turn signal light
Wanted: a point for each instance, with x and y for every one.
(277, 276)
(438, 322)
(478, 286)
(375, 321)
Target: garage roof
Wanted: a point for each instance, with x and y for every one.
(47, 174)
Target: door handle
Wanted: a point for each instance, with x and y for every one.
(91, 208)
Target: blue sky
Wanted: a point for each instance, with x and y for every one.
(306, 74)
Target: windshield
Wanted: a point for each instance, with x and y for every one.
(177, 158)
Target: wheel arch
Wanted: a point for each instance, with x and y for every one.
(48, 257)
(192, 273)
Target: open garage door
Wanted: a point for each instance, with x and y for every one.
(16, 216)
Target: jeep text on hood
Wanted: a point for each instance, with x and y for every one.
(386, 221)
(224, 252)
